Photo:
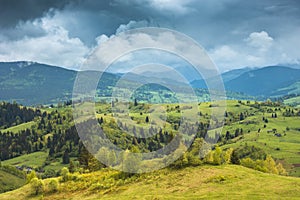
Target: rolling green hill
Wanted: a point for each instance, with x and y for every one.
(206, 182)
(9, 181)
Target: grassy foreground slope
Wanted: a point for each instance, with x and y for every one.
(207, 182)
(9, 181)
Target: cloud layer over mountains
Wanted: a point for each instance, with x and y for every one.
(234, 33)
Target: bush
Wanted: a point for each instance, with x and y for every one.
(37, 186)
(246, 151)
(65, 174)
(30, 176)
(53, 185)
(268, 165)
(49, 174)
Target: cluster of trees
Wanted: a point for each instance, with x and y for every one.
(256, 158)
(12, 114)
(23, 142)
(53, 131)
(248, 156)
(231, 117)
(268, 165)
(38, 186)
(291, 112)
(56, 132)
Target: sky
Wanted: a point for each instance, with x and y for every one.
(234, 33)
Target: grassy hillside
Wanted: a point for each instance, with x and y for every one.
(16, 129)
(206, 182)
(33, 160)
(284, 149)
(9, 181)
(260, 133)
(247, 124)
(294, 101)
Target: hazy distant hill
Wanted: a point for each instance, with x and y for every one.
(263, 82)
(34, 83)
(267, 81)
(232, 74)
(226, 76)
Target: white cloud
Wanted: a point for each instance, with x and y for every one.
(257, 50)
(260, 40)
(144, 47)
(54, 47)
(225, 53)
(132, 25)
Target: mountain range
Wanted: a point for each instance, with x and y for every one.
(34, 83)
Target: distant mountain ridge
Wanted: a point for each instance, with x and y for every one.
(270, 81)
(267, 81)
(34, 83)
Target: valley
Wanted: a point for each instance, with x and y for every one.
(262, 136)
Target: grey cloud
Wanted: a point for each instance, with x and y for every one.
(213, 23)
(13, 11)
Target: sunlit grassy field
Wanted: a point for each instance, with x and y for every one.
(205, 182)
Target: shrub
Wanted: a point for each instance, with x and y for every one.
(37, 186)
(49, 174)
(280, 169)
(246, 151)
(30, 176)
(65, 174)
(53, 185)
(268, 165)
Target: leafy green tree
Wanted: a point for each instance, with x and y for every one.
(242, 117)
(193, 155)
(135, 102)
(271, 165)
(248, 162)
(31, 176)
(37, 186)
(209, 158)
(53, 185)
(66, 158)
(72, 167)
(217, 156)
(65, 174)
(49, 173)
(227, 155)
(280, 169)
(252, 152)
(94, 164)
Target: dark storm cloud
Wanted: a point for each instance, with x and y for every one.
(13, 11)
(223, 27)
(209, 22)
(89, 18)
